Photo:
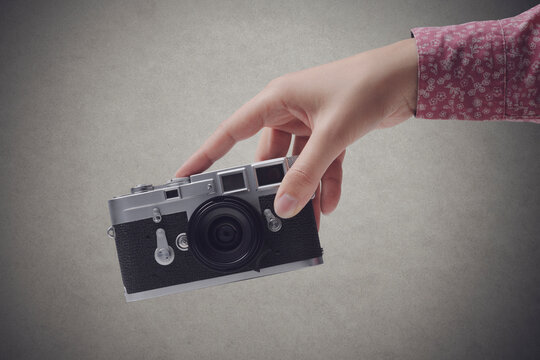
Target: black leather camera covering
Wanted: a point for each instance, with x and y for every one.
(136, 243)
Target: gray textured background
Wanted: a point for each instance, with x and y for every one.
(434, 252)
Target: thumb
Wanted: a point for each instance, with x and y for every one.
(302, 179)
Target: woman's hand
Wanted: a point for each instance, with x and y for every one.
(326, 108)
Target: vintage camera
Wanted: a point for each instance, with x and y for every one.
(211, 228)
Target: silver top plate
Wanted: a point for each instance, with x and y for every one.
(186, 194)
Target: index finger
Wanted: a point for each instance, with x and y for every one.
(244, 123)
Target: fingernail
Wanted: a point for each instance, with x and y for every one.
(285, 206)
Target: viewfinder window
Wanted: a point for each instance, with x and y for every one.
(171, 194)
(233, 182)
(272, 174)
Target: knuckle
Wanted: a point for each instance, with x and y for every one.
(278, 87)
(277, 83)
(301, 178)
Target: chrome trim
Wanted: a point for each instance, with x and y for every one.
(223, 279)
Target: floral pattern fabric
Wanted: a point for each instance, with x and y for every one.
(485, 70)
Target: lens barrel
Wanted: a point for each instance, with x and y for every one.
(223, 233)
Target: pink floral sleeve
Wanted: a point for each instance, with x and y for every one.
(486, 70)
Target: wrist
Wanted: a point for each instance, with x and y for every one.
(406, 73)
(395, 73)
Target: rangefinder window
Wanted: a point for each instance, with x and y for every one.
(272, 174)
(233, 182)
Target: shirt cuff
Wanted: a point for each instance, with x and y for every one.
(461, 71)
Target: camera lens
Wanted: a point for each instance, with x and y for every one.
(224, 234)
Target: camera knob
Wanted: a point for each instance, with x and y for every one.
(142, 188)
(182, 242)
(164, 254)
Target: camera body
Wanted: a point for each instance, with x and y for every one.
(209, 229)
